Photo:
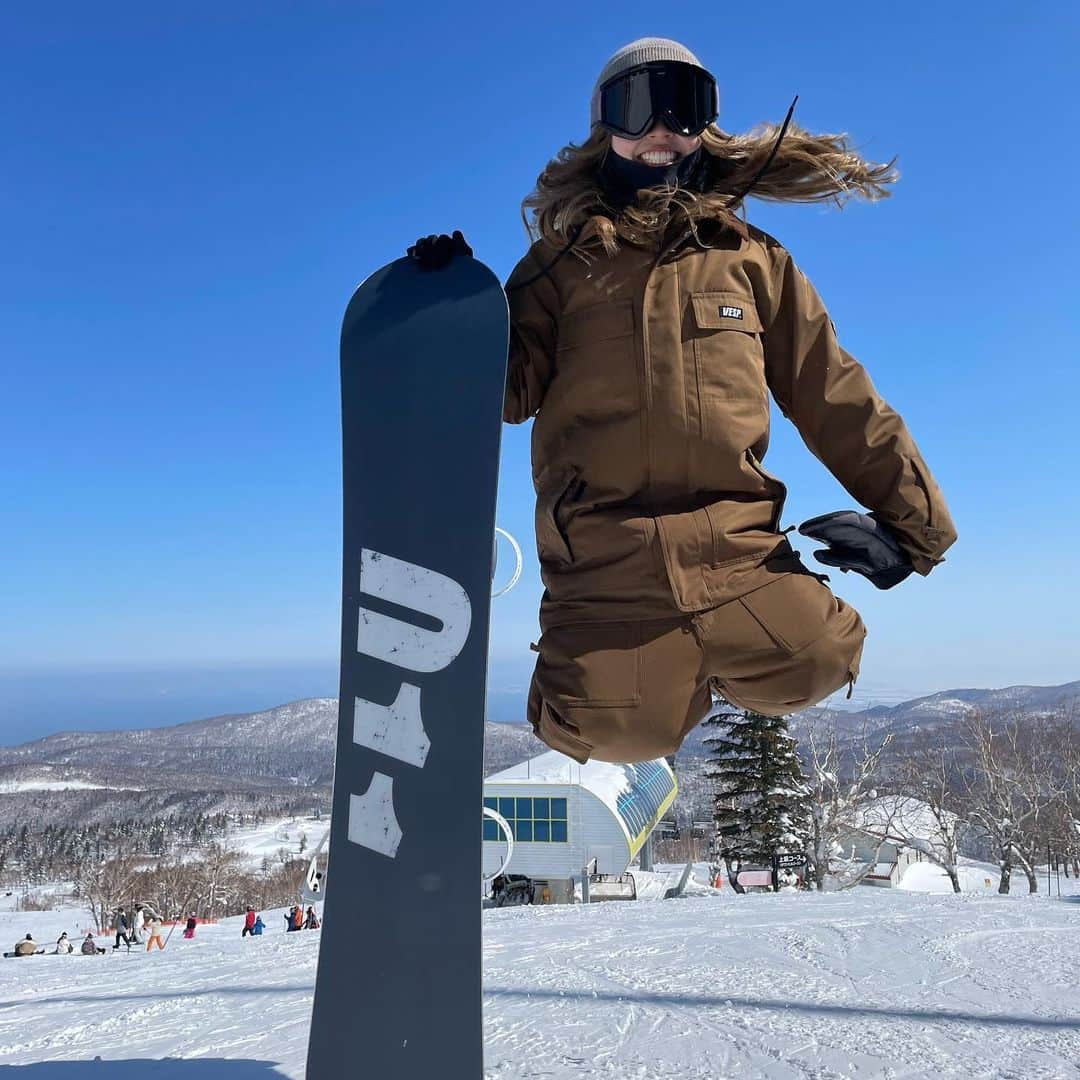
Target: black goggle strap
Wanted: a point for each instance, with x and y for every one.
(736, 199)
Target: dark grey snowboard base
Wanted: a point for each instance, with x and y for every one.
(423, 358)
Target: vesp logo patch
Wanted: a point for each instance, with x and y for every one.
(730, 312)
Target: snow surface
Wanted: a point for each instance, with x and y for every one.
(864, 983)
(974, 877)
(8, 787)
(266, 840)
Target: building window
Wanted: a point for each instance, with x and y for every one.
(531, 820)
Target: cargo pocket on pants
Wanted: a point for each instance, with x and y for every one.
(552, 730)
(591, 665)
(795, 610)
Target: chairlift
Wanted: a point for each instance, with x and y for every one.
(313, 889)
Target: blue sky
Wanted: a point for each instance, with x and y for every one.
(188, 196)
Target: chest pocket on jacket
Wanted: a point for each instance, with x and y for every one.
(728, 354)
(595, 357)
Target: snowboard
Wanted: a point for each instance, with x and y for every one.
(423, 362)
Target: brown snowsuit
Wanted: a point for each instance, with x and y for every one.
(648, 374)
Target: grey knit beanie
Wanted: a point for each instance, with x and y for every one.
(645, 50)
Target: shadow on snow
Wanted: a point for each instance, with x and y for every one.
(160, 995)
(811, 1008)
(139, 1068)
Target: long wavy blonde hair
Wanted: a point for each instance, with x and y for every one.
(805, 168)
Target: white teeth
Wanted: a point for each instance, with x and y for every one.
(659, 157)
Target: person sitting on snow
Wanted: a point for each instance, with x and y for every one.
(258, 927)
(26, 947)
(89, 946)
(63, 945)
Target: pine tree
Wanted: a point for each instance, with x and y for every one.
(760, 795)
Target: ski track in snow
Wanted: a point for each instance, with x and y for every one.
(869, 983)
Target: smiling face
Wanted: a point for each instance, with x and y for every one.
(658, 146)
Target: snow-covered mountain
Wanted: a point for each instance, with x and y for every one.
(285, 754)
(948, 706)
(278, 759)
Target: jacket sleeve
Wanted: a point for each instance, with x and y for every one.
(533, 316)
(864, 443)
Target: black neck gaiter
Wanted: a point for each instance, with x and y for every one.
(621, 178)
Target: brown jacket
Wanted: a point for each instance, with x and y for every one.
(648, 374)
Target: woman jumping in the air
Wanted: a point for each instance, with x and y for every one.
(649, 325)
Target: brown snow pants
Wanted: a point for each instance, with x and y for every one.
(630, 691)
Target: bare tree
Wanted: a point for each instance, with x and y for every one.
(218, 868)
(1066, 823)
(103, 886)
(1013, 785)
(166, 886)
(925, 814)
(838, 793)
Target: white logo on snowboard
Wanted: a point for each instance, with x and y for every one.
(411, 586)
(397, 730)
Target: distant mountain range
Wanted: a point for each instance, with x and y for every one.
(948, 706)
(284, 756)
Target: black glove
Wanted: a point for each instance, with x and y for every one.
(858, 542)
(435, 252)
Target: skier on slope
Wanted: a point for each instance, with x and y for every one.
(138, 922)
(120, 922)
(153, 925)
(648, 326)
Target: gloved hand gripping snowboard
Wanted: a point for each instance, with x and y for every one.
(858, 542)
(435, 252)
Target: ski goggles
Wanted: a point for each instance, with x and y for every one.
(682, 96)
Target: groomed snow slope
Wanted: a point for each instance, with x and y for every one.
(867, 983)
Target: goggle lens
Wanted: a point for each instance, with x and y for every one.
(682, 95)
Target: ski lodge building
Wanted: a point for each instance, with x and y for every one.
(564, 815)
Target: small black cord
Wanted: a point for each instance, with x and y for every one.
(536, 277)
(769, 160)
